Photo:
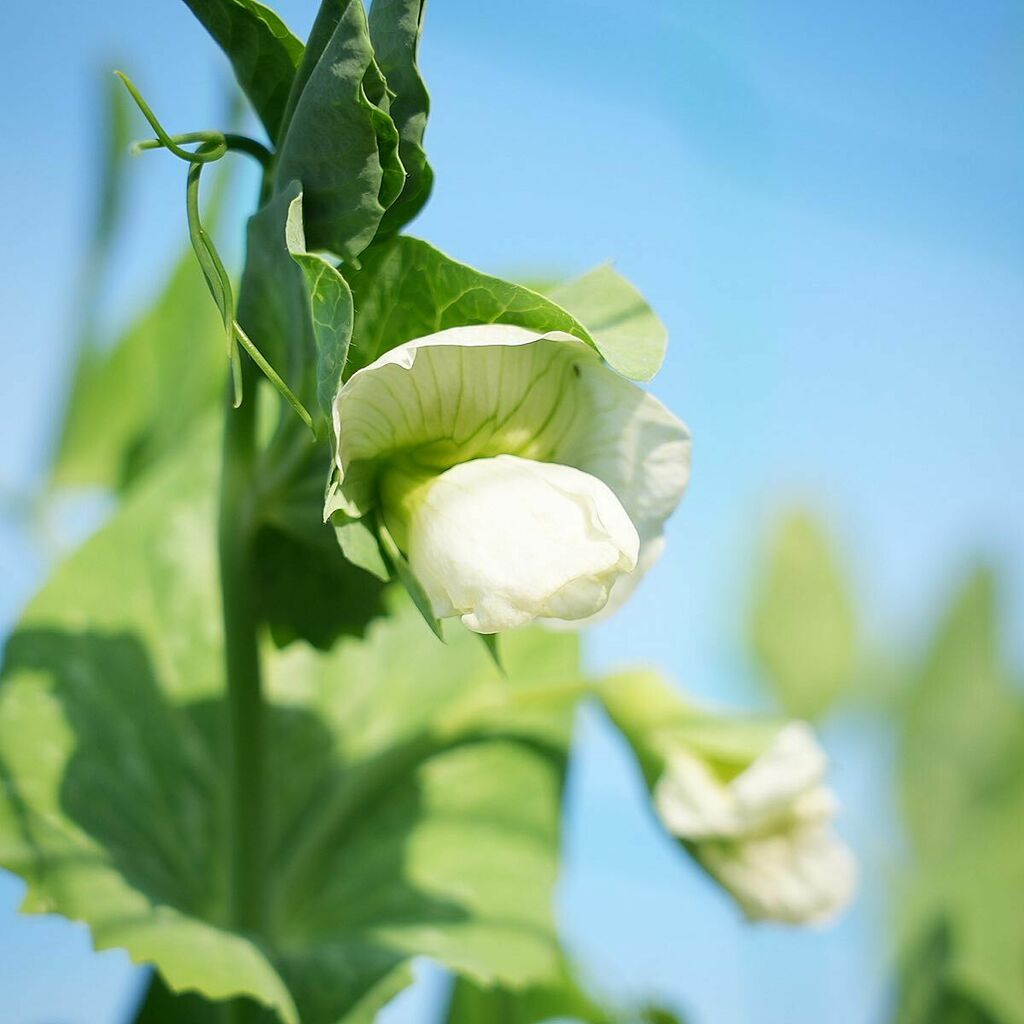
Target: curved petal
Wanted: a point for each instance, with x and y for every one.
(634, 444)
(505, 540)
(803, 876)
(462, 393)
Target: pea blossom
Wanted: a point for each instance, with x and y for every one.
(520, 476)
(764, 831)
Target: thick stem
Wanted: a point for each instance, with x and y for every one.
(246, 726)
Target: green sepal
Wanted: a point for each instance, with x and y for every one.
(408, 579)
(359, 544)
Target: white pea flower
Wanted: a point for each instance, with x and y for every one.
(520, 476)
(764, 833)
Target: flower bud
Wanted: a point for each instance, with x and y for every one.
(747, 800)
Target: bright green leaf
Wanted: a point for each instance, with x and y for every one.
(339, 144)
(407, 289)
(394, 31)
(262, 51)
(626, 331)
(395, 827)
(803, 630)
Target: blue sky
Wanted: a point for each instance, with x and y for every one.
(823, 202)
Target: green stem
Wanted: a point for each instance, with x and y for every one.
(245, 709)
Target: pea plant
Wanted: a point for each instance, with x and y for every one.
(301, 710)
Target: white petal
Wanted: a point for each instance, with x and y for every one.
(692, 802)
(463, 393)
(505, 540)
(803, 876)
(480, 391)
(792, 766)
(634, 444)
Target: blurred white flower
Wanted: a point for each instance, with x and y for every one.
(521, 477)
(764, 833)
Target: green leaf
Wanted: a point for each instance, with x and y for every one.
(262, 51)
(308, 590)
(626, 331)
(407, 289)
(963, 733)
(162, 1006)
(339, 143)
(928, 992)
(330, 309)
(562, 999)
(113, 158)
(131, 403)
(802, 629)
(395, 27)
(274, 306)
(396, 826)
(962, 788)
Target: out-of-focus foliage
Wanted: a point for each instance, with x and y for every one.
(928, 994)
(959, 773)
(132, 398)
(962, 789)
(562, 999)
(132, 402)
(802, 626)
(400, 821)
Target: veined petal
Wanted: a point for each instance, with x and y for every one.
(634, 444)
(463, 393)
(505, 540)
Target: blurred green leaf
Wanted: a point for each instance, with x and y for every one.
(396, 827)
(262, 51)
(394, 31)
(407, 288)
(562, 999)
(962, 788)
(963, 734)
(132, 402)
(802, 628)
(308, 590)
(113, 159)
(626, 331)
(927, 993)
(339, 143)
